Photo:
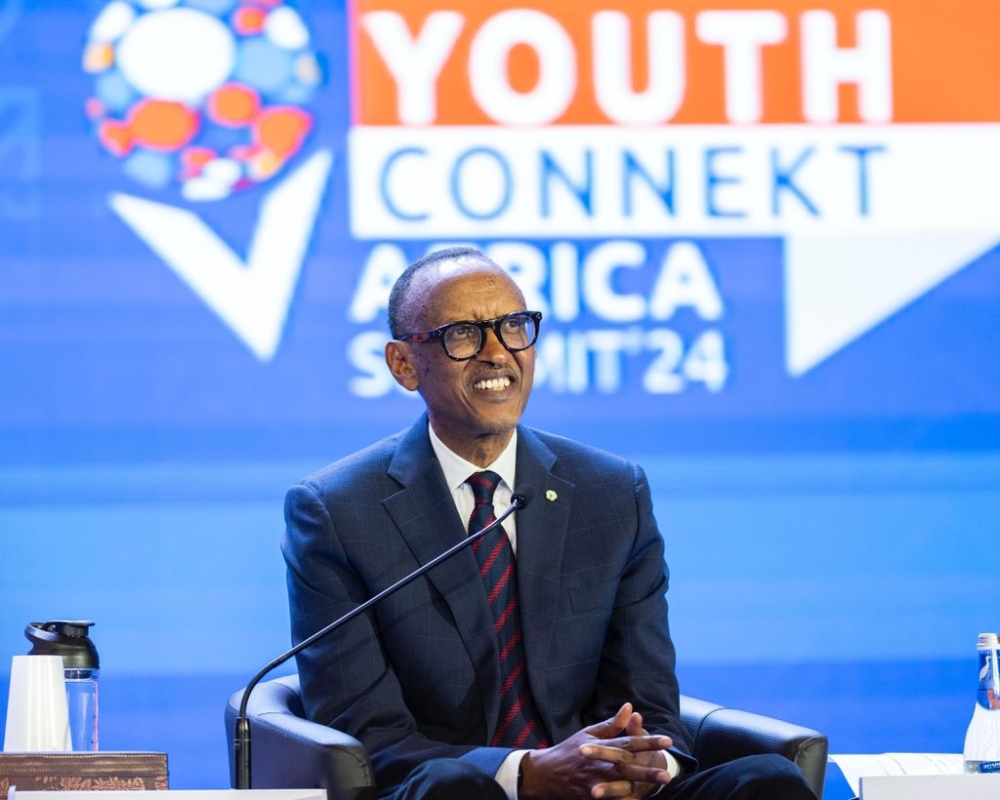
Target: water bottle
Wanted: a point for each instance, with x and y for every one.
(81, 667)
(982, 740)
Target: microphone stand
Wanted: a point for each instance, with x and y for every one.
(241, 742)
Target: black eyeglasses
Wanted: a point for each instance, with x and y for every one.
(465, 339)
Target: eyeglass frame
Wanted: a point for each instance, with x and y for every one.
(438, 333)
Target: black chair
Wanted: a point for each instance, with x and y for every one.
(291, 752)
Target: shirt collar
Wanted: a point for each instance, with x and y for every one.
(457, 470)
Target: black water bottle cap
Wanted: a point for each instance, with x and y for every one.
(66, 638)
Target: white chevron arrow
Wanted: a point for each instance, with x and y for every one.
(252, 298)
(838, 288)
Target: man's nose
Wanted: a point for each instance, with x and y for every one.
(493, 349)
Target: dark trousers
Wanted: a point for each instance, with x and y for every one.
(761, 777)
(449, 779)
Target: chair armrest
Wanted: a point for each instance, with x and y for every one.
(720, 734)
(290, 752)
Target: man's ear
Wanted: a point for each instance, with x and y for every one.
(399, 359)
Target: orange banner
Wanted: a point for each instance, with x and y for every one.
(578, 62)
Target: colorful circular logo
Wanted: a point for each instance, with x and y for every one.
(209, 95)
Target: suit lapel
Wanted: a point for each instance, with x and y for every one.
(542, 531)
(424, 513)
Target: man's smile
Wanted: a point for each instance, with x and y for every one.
(492, 384)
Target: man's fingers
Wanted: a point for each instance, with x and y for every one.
(613, 789)
(631, 786)
(623, 751)
(634, 725)
(613, 727)
(632, 763)
(627, 754)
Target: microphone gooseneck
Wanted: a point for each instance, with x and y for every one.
(241, 736)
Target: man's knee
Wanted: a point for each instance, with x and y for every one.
(771, 775)
(757, 777)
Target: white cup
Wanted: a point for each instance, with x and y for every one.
(37, 711)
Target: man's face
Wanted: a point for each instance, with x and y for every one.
(475, 402)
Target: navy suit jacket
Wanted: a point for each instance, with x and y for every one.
(417, 677)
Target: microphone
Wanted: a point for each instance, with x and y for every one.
(241, 740)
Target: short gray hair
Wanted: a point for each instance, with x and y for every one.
(400, 289)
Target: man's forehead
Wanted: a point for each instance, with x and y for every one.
(447, 268)
(452, 271)
(455, 266)
(436, 289)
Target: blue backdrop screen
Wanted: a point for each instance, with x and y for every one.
(783, 305)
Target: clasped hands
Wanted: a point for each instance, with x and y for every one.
(614, 758)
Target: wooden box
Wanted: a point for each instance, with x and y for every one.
(82, 771)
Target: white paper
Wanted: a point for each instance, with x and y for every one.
(930, 787)
(858, 766)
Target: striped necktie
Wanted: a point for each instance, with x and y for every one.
(519, 724)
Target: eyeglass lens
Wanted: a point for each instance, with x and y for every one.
(516, 332)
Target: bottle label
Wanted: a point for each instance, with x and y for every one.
(990, 766)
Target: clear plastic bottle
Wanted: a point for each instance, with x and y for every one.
(81, 668)
(982, 740)
(81, 695)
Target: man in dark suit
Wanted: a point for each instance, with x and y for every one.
(534, 664)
